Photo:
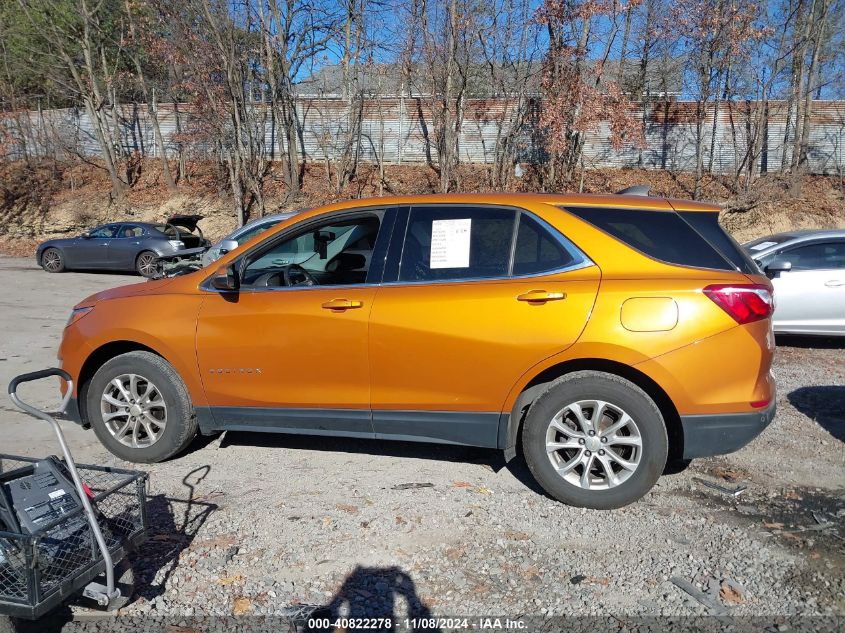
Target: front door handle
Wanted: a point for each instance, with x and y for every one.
(541, 296)
(834, 283)
(342, 304)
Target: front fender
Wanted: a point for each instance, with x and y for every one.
(118, 321)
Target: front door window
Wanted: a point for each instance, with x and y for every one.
(331, 253)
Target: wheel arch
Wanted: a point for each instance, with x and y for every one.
(539, 383)
(39, 255)
(97, 359)
(147, 249)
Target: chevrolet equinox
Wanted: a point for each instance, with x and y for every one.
(601, 334)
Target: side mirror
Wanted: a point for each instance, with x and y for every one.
(86, 236)
(226, 279)
(778, 266)
(227, 246)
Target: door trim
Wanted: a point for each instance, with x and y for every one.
(466, 428)
(341, 422)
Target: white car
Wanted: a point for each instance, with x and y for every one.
(807, 269)
(243, 234)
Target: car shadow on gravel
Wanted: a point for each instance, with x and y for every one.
(492, 459)
(375, 593)
(824, 404)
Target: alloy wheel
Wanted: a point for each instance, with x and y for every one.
(146, 265)
(133, 410)
(594, 445)
(52, 261)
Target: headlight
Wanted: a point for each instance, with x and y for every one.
(176, 243)
(77, 314)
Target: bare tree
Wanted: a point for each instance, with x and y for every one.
(294, 34)
(84, 49)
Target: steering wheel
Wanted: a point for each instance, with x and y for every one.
(296, 275)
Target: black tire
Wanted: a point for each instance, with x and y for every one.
(145, 264)
(181, 423)
(52, 260)
(621, 393)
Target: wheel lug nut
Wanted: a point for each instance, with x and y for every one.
(601, 452)
(587, 453)
(592, 433)
(604, 440)
(581, 441)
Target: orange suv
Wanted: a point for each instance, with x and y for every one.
(602, 334)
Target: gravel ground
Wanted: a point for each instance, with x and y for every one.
(261, 523)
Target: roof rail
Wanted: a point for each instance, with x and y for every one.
(636, 190)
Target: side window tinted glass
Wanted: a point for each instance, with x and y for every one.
(662, 235)
(825, 256)
(105, 231)
(337, 252)
(443, 243)
(130, 230)
(538, 250)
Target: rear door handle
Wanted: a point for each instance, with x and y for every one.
(834, 283)
(541, 296)
(342, 304)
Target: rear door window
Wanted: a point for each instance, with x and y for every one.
(457, 242)
(662, 235)
(130, 231)
(541, 249)
(109, 230)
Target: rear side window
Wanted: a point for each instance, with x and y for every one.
(443, 243)
(707, 224)
(663, 235)
(538, 250)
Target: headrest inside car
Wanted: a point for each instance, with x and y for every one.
(343, 262)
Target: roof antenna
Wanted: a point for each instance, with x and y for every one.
(636, 190)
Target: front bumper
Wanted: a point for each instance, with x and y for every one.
(722, 433)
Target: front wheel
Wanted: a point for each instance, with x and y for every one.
(139, 408)
(145, 264)
(595, 440)
(52, 260)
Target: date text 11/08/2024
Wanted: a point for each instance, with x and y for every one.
(422, 623)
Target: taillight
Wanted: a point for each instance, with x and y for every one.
(746, 303)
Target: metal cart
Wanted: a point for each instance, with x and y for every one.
(40, 569)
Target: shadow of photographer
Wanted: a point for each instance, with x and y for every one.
(374, 594)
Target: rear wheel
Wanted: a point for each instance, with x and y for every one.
(595, 440)
(52, 260)
(139, 408)
(145, 263)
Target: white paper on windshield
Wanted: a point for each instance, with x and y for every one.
(763, 245)
(450, 243)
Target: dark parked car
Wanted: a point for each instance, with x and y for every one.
(122, 246)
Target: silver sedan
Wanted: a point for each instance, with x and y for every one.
(807, 269)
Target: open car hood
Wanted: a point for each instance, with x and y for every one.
(187, 221)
